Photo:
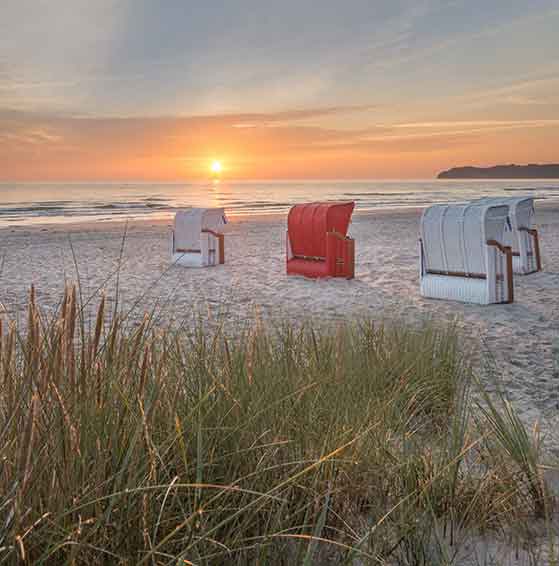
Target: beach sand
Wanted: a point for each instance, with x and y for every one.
(253, 283)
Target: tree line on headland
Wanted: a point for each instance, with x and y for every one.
(531, 171)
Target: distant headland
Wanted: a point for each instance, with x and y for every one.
(531, 171)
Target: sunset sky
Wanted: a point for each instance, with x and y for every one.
(157, 90)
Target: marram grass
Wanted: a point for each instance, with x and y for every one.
(356, 444)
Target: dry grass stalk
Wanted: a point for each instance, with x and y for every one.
(202, 447)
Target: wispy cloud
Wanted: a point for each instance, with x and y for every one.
(480, 124)
(286, 117)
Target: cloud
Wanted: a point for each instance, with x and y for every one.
(138, 57)
(478, 124)
(273, 119)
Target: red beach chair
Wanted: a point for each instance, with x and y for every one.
(317, 242)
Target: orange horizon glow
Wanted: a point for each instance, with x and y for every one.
(167, 149)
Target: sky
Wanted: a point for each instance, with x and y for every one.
(157, 90)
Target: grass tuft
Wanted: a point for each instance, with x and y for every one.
(277, 445)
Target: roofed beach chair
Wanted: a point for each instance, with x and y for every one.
(197, 239)
(317, 242)
(520, 232)
(462, 255)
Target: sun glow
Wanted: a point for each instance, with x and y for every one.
(216, 167)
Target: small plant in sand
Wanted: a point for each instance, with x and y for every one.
(280, 444)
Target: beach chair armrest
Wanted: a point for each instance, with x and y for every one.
(288, 250)
(340, 255)
(534, 233)
(338, 235)
(220, 243)
(507, 251)
(503, 249)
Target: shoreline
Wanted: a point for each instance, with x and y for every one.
(95, 225)
(158, 221)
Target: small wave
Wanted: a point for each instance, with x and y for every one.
(374, 194)
(31, 210)
(153, 199)
(240, 202)
(531, 189)
(261, 205)
(119, 206)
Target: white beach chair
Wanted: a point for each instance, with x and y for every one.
(197, 239)
(463, 257)
(520, 232)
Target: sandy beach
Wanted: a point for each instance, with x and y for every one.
(134, 259)
(253, 283)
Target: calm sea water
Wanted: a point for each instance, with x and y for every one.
(34, 203)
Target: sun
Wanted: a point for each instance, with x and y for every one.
(216, 167)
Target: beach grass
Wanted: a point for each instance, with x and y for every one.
(363, 443)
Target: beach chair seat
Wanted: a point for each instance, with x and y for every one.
(462, 255)
(520, 232)
(197, 239)
(317, 242)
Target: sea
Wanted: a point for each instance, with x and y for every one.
(24, 204)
